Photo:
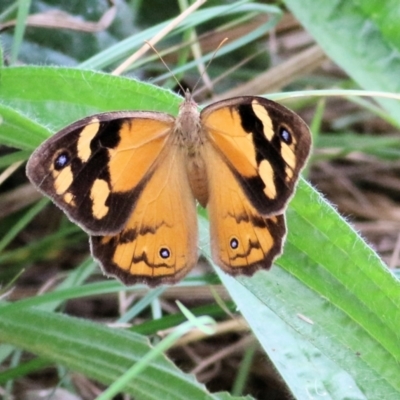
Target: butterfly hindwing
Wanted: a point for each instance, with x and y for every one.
(264, 144)
(96, 169)
(159, 242)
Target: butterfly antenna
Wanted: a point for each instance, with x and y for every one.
(209, 62)
(176, 21)
(229, 71)
(166, 66)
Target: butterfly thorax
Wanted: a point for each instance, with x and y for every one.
(190, 137)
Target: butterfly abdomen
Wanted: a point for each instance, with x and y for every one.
(197, 175)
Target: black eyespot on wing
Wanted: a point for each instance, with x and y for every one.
(164, 253)
(62, 160)
(234, 243)
(285, 136)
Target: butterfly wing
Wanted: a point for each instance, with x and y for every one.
(242, 240)
(159, 242)
(97, 168)
(254, 155)
(264, 144)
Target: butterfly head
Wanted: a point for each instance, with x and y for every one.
(188, 125)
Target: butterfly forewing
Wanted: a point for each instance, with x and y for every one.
(96, 168)
(264, 144)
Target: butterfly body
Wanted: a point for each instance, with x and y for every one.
(132, 180)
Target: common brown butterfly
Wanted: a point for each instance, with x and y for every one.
(131, 180)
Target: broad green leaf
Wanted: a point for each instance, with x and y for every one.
(31, 91)
(98, 352)
(18, 130)
(340, 303)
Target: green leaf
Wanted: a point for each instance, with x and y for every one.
(361, 37)
(98, 352)
(30, 91)
(20, 131)
(339, 302)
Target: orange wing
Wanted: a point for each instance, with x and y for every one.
(254, 155)
(159, 242)
(242, 241)
(96, 168)
(264, 144)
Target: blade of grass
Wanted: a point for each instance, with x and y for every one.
(144, 302)
(23, 369)
(244, 370)
(21, 224)
(201, 323)
(9, 159)
(156, 38)
(23, 11)
(227, 48)
(125, 47)
(169, 321)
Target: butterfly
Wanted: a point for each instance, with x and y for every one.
(132, 180)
